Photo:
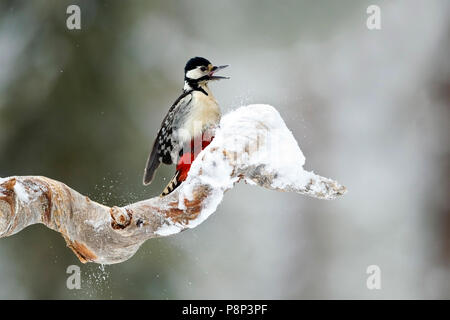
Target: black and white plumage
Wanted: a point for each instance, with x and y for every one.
(190, 116)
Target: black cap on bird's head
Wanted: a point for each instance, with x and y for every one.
(200, 69)
(196, 62)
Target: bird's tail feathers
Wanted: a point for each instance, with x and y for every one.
(152, 164)
(183, 167)
(172, 185)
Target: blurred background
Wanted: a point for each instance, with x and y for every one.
(369, 108)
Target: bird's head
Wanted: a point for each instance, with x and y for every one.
(199, 71)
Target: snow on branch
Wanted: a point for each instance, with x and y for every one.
(252, 144)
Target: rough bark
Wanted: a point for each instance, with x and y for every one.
(252, 144)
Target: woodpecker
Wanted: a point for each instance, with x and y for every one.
(188, 126)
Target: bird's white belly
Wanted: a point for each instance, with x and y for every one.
(204, 113)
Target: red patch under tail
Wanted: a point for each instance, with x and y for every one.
(183, 167)
(186, 160)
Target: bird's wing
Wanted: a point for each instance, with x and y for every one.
(166, 147)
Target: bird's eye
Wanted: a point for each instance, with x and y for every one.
(203, 68)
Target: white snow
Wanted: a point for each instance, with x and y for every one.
(168, 229)
(277, 149)
(96, 224)
(21, 193)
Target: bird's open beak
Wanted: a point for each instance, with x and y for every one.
(214, 70)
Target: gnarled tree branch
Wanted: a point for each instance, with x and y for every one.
(252, 144)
